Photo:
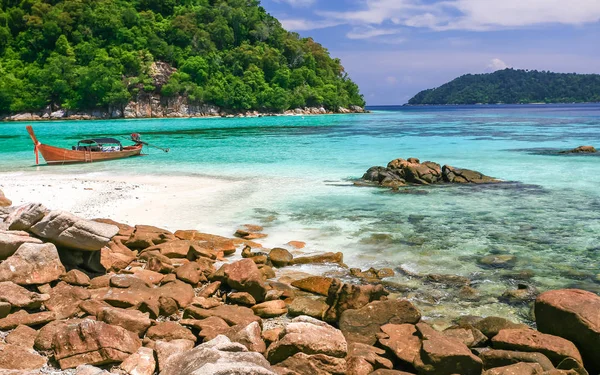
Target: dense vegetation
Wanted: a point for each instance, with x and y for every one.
(85, 54)
(512, 86)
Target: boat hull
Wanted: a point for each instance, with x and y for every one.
(57, 155)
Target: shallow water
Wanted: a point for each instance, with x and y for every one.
(298, 175)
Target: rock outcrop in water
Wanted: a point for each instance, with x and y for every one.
(401, 172)
(161, 306)
(581, 150)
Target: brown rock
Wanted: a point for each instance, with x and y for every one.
(127, 281)
(5, 308)
(4, 202)
(169, 331)
(402, 340)
(141, 362)
(150, 277)
(241, 298)
(166, 350)
(319, 259)
(210, 289)
(157, 265)
(249, 336)
(266, 272)
(363, 359)
(132, 320)
(100, 281)
(232, 314)
(208, 328)
(314, 284)
(517, 369)
(343, 296)
(14, 357)
(112, 260)
(207, 303)
(92, 342)
(318, 364)
(389, 372)
(124, 229)
(363, 324)
(243, 276)
(574, 315)
(167, 306)
(307, 306)
(76, 277)
(181, 292)
(22, 336)
(190, 273)
(527, 340)
(173, 249)
(25, 216)
(43, 340)
(20, 297)
(272, 335)
(32, 264)
(297, 244)
(280, 257)
(93, 306)
(22, 317)
(217, 243)
(500, 358)
(471, 337)
(580, 150)
(11, 240)
(65, 299)
(443, 355)
(145, 236)
(490, 326)
(270, 309)
(310, 336)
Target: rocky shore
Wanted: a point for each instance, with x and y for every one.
(401, 172)
(83, 297)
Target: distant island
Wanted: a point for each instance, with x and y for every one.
(514, 86)
(143, 58)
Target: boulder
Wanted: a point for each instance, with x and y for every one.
(218, 356)
(22, 336)
(309, 336)
(45, 335)
(402, 340)
(363, 324)
(190, 273)
(145, 236)
(572, 314)
(20, 297)
(527, 340)
(4, 202)
(241, 298)
(169, 331)
(232, 314)
(210, 327)
(471, 337)
(132, 320)
(249, 336)
(15, 357)
(314, 284)
(93, 342)
(65, 299)
(165, 350)
(491, 325)
(307, 306)
(364, 359)
(22, 317)
(243, 276)
(219, 244)
(580, 150)
(270, 309)
(280, 257)
(465, 176)
(25, 216)
(173, 249)
(32, 264)
(444, 355)
(76, 277)
(141, 362)
(318, 364)
(319, 259)
(343, 296)
(68, 230)
(522, 368)
(500, 358)
(10, 241)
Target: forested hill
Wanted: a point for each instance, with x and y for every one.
(100, 54)
(512, 86)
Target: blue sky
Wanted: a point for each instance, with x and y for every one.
(395, 48)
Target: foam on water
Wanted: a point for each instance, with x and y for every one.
(292, 174)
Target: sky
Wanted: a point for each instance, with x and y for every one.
(395, 48)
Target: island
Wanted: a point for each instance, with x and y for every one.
(111, 59)
(514, 86)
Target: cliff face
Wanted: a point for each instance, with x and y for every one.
(154, 105)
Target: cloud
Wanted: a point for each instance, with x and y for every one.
(297, 3)
(299, 24)
(497, 64)
(370, 32)
(473, 15)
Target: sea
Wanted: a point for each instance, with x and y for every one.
(298, 175)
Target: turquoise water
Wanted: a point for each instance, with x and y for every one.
(297, 174)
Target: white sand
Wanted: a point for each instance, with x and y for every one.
(170, 202)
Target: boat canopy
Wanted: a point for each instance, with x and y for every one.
(100, 141)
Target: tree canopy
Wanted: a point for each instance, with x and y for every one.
(511, 86)
(87, 54)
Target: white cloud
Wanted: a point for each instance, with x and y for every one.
(474, 15)
(370, 32)
(391, 80)
(303, 25)
(297, 3)
(497, 64)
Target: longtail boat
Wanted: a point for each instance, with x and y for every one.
(87, 150)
